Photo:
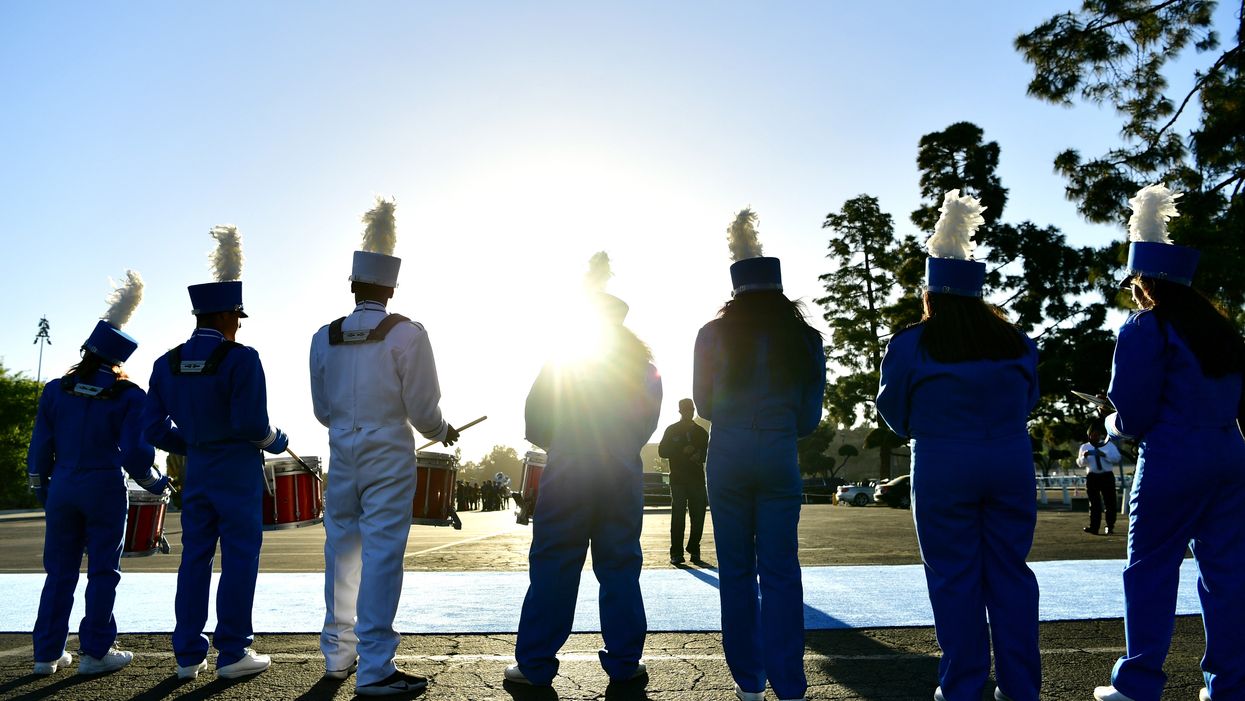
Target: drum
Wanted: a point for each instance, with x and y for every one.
(434, 490)
(144, 527)
(293, 494)
(533, 465)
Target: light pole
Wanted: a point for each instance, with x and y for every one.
(42, 338)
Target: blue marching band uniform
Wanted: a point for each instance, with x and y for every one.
(972, 496)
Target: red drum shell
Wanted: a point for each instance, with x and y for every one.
(298, 494)
(434, 489)
(533, 466)
(144, 526)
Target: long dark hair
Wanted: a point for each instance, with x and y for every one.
(1204, 326)
(960, 329)
(749, 316)
(91, 363)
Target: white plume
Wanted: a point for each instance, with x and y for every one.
(741, 236)
(953, 234)
(1152, 206)
(598, 272)
(381, 233)
(124, 299)
(226, 260)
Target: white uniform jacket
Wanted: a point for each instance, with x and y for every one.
(391, 384)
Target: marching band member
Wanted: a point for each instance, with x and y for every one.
(208, 400)
(1176, 384)
(373, 377)
(86, 431)
(759, 376)
(960, 384)
(592, 413)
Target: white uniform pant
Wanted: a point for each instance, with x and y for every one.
(367, 518)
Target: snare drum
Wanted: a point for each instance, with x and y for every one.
(293, 494)
(533, 465)
(144, 527)
(434, 490)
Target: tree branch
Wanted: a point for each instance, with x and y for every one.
(1123, 20)
(1238, 178)
(1196, 87)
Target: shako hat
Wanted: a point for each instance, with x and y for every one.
(750, 271)
(224, 295)
(950, 268)
(107, 340)
(1151, 252)
(606, 305)
(376, 264)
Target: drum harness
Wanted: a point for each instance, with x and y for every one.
(209, 366)
(337, 337)
(71, 385)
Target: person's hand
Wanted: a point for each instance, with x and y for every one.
(154, 482)
(451, 436)
(279, 444)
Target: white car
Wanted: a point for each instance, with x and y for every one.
(855, 494)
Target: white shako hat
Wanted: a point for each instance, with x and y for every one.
(376, 264)
(950, 268)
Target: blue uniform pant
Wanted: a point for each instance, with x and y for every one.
(85, 509)
(222, 502)
(689, 499)
(975, 511)
(585, 501)
(755, 493)
(1189, 491)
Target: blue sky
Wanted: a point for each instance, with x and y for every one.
(517, 138)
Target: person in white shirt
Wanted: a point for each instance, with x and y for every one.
(1099, 457)
(373, 378)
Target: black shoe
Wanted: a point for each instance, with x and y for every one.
(397, 683)
(1110, 530)
(1090, 531)
(694, 555)
(676, 559)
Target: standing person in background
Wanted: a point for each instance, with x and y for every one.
(1176, 384)
(684, 444)
(592, 411)
(87, 431)
(208, 400)
(373, 378)
(759, 376)
(961, 384)
(1099, 457)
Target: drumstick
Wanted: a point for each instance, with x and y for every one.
(462, 428)
(302, 462)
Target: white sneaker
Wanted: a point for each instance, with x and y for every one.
(938, 694)
(749, 695)
(1203, 695)
(1000, 696)
(112, 660)
(191, 671)
(46, 668)
(515, 675)
(1108, 693)
(251, 663)
(342, 673)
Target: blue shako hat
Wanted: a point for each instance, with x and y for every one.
(611, 308)
(112, 344)
(756, 274)
(216, 297)
(953, 276)
(950, 268)
(1162, 261)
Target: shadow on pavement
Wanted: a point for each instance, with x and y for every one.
(50, 691)
(523, 692)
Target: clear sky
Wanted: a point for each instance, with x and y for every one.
(517, 139)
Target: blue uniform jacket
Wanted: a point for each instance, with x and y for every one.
(919, 397)
(75, 432)
(223, 413)
(1156, 379)
(569, 412)
(756, 405)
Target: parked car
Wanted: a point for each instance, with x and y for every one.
(896, 492)
(820, 490)
(856, 494)
(657, 489)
